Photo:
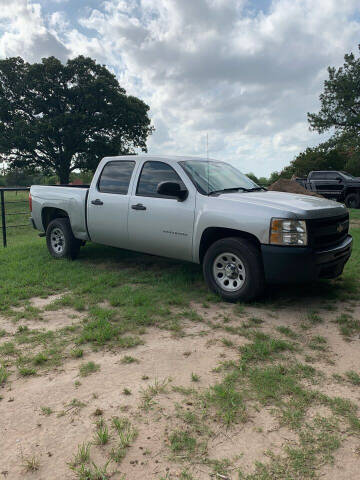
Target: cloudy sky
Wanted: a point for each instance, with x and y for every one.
(243, 71)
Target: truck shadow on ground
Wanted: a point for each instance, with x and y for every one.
(341, 289)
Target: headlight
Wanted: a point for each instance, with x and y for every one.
(288, 232)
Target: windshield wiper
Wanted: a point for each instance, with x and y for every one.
(236, 189)
(224, 190)
(256, 189)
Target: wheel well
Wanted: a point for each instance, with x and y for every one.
(352, 190)
(212, 234)
(50, 213)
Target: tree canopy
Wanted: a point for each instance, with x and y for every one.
(340, 100)
(340, 110)
(341, 152)
(55, 118)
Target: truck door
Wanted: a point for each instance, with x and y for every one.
(335, 184)
(317, 181)
(330, 184)
(159, 224)
(108, 202)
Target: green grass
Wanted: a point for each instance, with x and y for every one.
(40, 358)
(47, 411)
(4, 375)
(91, 471)
(287, 331)
(127, 359)
(151, 391)
(126, 436)
(182, 442)
(31, 463)
(26, 371)
(82, 455)
(102, 435)
(195, 377)
(348, 325)
(123, 293)
(77, 353)
(264, 347)
(88, 368)
(353, 377)
(21, 205)
(318, 343)
(227, 400)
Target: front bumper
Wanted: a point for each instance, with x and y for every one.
(304, 264)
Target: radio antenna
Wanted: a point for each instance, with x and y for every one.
(207, 158)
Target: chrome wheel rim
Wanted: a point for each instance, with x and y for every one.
(229, 272)
(57, 240)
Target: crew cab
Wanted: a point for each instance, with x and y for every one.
(335, 185)
(202, 211)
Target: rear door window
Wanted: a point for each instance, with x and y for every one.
(115, 177)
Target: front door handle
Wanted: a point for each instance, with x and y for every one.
(138, 206)
(97, 202)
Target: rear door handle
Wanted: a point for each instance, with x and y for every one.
(97, 202)
(138, 206)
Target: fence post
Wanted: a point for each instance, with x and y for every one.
(3, 216)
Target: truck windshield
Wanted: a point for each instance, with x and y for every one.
(348, 175)
(210, 177)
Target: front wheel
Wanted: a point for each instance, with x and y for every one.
(233, 268)
(352, 200)
(60, 239)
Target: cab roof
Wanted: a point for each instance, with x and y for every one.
(168, 158)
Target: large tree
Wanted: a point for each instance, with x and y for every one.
(58, 117)
(340, 100)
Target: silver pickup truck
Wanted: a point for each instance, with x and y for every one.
(202, 211)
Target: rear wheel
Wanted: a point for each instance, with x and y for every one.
(352, 200)
(233, 268)
(60, 239)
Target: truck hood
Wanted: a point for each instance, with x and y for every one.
(301, 206)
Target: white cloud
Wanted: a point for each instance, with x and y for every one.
(25, 34)
(217, 66)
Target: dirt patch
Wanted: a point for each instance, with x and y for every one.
(54, 438)
(291, 186)
(45, 321)
(25, 428)
(251, 440)
(346, 462)
(39, 302)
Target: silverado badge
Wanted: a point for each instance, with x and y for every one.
(340, 227)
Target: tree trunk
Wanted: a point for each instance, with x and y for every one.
(64, 177)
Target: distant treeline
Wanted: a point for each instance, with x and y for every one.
(341, 152)
(23, 178)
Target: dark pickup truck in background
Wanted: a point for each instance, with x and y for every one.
(335, 185)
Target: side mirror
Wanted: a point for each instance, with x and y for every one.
(172, 189)
(339, 179)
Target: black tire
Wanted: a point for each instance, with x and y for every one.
(352, 200)
(68, 246)
(253, 281)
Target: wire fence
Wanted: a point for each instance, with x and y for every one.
(10, 216)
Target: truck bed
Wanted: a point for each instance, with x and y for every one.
(68, 185)
(69, 198)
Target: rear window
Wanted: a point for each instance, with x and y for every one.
(317, 175)
(115, 177)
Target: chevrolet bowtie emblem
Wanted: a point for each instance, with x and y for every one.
(340, 227)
